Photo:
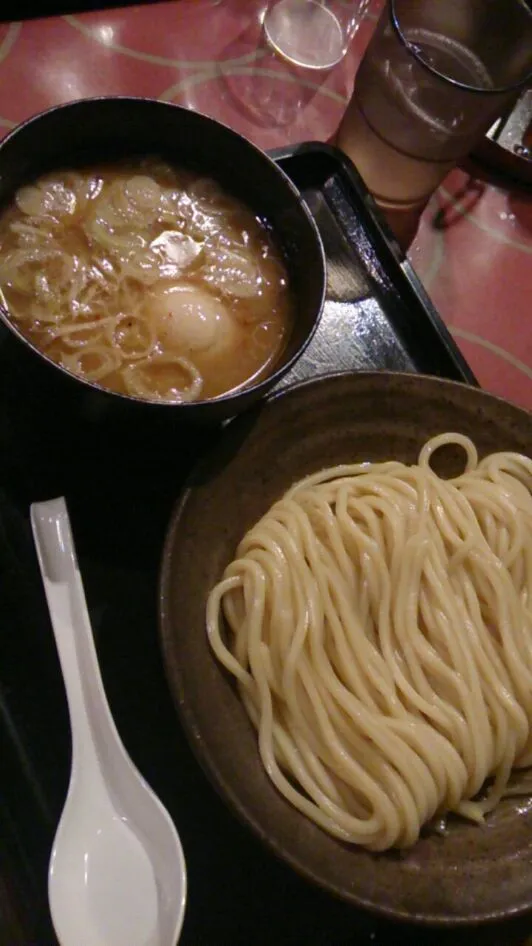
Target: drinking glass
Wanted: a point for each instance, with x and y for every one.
(314, 34)
(435, 76)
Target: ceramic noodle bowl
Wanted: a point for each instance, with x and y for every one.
(471, 873)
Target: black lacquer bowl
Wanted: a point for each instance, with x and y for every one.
(104, 129)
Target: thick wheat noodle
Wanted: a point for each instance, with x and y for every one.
(378, 622)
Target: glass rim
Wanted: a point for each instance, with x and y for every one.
(463, 86)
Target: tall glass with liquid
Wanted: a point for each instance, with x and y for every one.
(435, 76)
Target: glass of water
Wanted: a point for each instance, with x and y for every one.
(314, 34)
(435, 76)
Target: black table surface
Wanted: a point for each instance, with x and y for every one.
(26, 9)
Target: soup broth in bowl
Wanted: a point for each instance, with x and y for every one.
(151, 260)
(149, 280)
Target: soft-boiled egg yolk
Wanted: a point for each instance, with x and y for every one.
(190, 319)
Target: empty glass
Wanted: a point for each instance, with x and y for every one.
(314, 34)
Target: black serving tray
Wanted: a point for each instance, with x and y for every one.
(377, 314)
(120, 486)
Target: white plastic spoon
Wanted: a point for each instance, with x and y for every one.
(117, 873)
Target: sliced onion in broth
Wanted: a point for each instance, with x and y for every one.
(235, 274)
(138, 384)
(33, 232)
(133, 335)
(92, 363)
(45, 199)
(117, 200)
(144, 266)
(210, 199)
(143, 192)
(73, 335)
(99, 229)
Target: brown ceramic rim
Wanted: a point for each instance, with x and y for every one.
(472, 876)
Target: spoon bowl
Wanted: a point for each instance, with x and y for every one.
(117, 872)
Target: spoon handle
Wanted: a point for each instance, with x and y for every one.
(88, 708)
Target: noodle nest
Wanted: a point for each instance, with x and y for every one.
(378, 623)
